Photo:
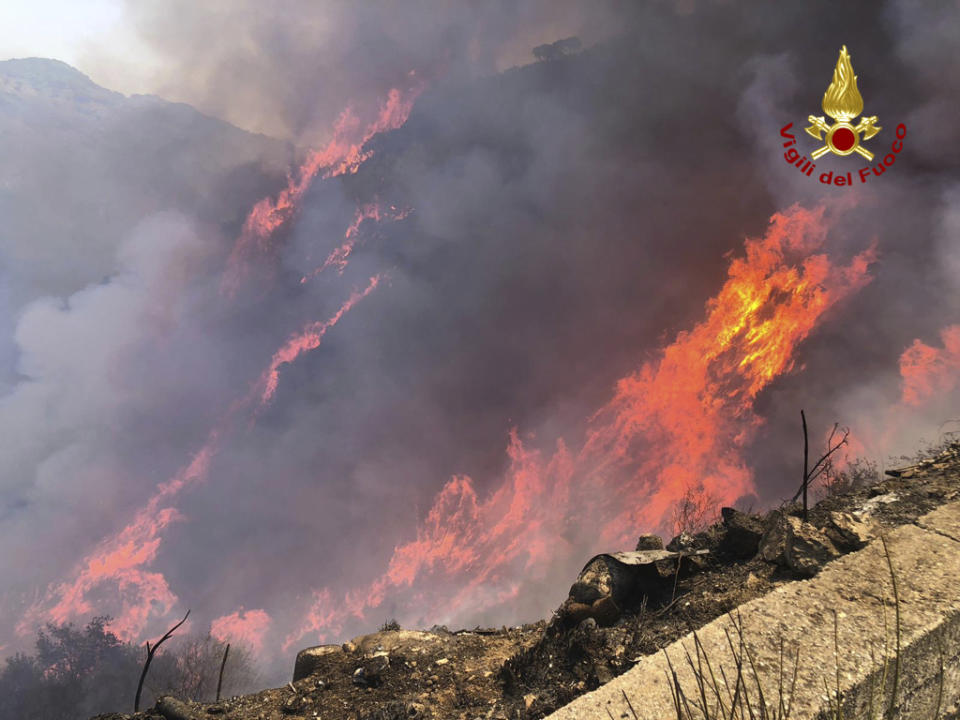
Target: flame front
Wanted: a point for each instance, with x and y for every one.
(842, 101)
(117, 571)
(343, 155)
(680, 422)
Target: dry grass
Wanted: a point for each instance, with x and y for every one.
(744, 696)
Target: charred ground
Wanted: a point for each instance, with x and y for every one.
(526, 672)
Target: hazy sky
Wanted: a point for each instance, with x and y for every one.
(72, 31)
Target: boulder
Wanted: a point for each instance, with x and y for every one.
(742, 535)
(847, 532)
(808, 549)
(773, 543)
(614, 582)
(649, 542)
(605, 611)
(309, 659)
(598, 579)
(172, 709)
(682, 542)
(623, 575)
(792, 543)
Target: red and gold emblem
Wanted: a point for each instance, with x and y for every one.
(843, 103)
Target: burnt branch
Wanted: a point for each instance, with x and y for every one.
(824, 464)
(151, 651)
(223, 664)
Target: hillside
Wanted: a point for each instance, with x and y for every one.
(529, 671)
(81, 165)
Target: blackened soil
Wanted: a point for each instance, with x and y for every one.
(530, 671)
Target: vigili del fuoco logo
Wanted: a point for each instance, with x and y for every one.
(843, 103)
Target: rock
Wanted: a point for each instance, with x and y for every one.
(773, 543)
(682, 542)
(309, 659)
(359, 677)
(348, 647)
(626, 576)
(605, 611)
(848, 533)
(649, 542)
(173, 709)
(743, 533)
(792, 543)
(528, 700)
(573, 613)
(808, 549)
(598, 579)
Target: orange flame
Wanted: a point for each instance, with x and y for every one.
(927, 371)
(343, 155)
(117, 567)
(679, 422)
(118, 564)
(339, 256)
(306, 340)
(243, 626)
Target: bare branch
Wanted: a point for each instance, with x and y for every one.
(222, 665)
(822, 465)
(151, 651)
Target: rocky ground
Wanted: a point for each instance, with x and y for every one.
(623, 606)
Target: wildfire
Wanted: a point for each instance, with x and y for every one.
(679, 423)
(338, 256)
(306, 340)
(928, 371)
(343, 155)
(243, 626)
(119, 566)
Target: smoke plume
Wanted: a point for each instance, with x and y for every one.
(498, 314)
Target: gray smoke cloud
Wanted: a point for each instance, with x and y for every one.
(567, 218)
(291, 69)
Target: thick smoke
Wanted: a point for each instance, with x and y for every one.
(289, 70)
(560, 222)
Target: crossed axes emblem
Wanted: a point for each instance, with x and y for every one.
(842, 138)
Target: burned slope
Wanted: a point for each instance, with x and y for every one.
(623, 606)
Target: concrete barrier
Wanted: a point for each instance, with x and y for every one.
(858, 588)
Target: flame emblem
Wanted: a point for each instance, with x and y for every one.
(842, 102)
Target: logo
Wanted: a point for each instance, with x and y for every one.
(843, 103)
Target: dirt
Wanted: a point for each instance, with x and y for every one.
(524, 673)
